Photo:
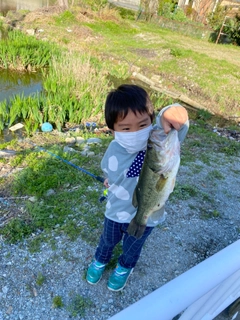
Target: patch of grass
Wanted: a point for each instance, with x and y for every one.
(206, 197)
(187, 156)
(111, 28)
(184, 192)
(204, 115)
(126, 14)
(79, 305)
(179, 52)
(40, 279)
(232, 149)
(215, 174)
(65, 40)
(65, 18)
(196, 168)
(205, 158)
(74, 206)
(35, 244)
(72, 229)
(57, 302)
(207, 214)
(237, 172)
(17, 229)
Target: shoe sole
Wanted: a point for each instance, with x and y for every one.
(93, 283)
(116, 290)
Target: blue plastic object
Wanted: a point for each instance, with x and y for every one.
(46, 127)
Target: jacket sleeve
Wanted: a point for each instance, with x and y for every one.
(183, 130)
(105, 160)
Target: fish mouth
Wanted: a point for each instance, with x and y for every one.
(159, 138)
(164, 149)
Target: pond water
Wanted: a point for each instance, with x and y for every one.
(15, 83)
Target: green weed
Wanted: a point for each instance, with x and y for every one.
(176, 52)
(215, 174)
(232, 149)
(205, 158)
(237, 172)
(35, 244)
(65, 19)
(187, 156)
(184, 192)
(205, 215)
(204, 115)
(196, 168)
(57, 302)
(16, 230)
(206, 197)
(79, 305)
(72, 229)
(40, 279)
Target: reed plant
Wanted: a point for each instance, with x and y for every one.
(75, 86)
(3, 114)
(19, 51)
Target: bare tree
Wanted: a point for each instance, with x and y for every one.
(63, 3)
(202, 7)
(150, 8)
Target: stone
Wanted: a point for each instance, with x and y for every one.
(70, 140)
(94, 141)
(80, 140)
(16, 127)
(7, 153)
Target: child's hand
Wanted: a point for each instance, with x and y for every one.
(174, 117)
(105, 183)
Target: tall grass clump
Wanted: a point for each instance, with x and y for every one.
(3, 114)
(75, 87)
(20, 52)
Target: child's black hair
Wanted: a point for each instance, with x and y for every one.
(126, 97)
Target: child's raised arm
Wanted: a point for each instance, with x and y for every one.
(174, 117)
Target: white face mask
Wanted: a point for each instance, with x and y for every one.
(133, 141)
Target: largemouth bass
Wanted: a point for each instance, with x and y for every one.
(157, 178)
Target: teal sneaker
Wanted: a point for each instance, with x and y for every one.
(95, 271)
(118, 278)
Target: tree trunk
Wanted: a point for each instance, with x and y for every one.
(150, 8)
(63, 3)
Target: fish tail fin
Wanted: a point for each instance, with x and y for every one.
(135, 229)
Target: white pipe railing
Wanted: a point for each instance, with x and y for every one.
(203, 291)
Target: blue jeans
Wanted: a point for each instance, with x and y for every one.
(113, 233)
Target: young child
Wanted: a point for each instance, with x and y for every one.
(129, 114)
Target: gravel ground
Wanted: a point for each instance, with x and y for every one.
(191, 233)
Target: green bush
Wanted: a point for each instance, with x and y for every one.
(216, 18)
(233, 29)
(232, 25)
(170, 10)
